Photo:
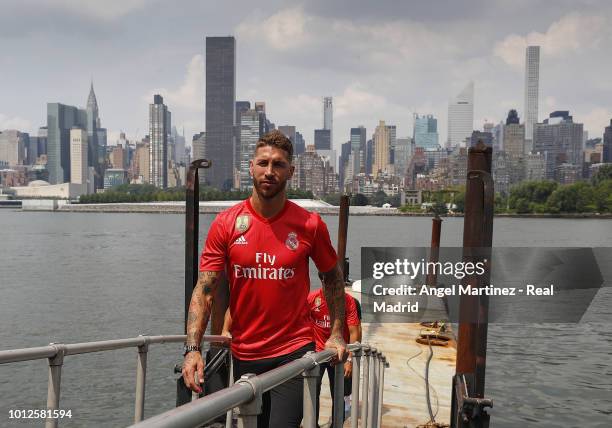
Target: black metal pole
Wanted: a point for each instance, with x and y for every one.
(342, 234)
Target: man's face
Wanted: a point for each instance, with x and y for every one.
(270, 170)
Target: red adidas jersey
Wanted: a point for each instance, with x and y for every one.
(267, 265)
(320, 321)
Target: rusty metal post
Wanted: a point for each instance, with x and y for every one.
(436, 228)
(342, 235)
(473, 311)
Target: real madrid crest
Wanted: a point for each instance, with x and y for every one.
(318, 304)
(243, 222)
(292, 241)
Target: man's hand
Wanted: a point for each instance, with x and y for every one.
(348, 369)
(193, 364)
(337, 343)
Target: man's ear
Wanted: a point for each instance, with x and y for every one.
(251, 167)
(291, 170)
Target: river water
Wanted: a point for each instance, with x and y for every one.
(72, 277)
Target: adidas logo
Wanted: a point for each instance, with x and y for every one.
(241, 240)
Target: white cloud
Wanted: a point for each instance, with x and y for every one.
(565, 36)
(190, 95)
(282, 31)
(15, 122)
(595, 121)
(356, 100)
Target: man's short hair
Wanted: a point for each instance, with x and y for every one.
(277, 139)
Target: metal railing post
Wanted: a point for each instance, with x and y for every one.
(141, 376)
(355, 387)
(372, 394)
(366, 380)
(381, 388)
(55, 379)
(248, 412)
(311, 377)
(338, 398)
(230, 381)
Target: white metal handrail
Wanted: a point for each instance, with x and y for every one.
(56, 352)
(247, 393)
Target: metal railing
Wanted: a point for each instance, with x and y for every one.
(246, 394)
(57, 352)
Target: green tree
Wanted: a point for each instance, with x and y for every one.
(359, 200)
(603, 173)
(573, 198)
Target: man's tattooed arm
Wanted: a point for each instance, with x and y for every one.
(200, 306)
(333, 289)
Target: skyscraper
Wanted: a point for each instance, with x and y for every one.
(514, 136)
(220, 110)
(322, 139)
(289, 132)
(461, 117)
(158, 149)
(300, 145)
(532, 84)
(358, 147)
(60, 119)
(78, 156)
(381, 149)
(560, 139)
(96, 137)
(607, 144)
(241, 107)
(425, 133)
(328, 119)
(249, 135)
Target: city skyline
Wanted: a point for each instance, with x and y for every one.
(376, 63)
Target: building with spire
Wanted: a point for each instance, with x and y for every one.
(96, 138)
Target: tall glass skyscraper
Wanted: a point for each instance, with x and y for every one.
(532, 85)
(60, 119)
(158, 149)
(425, 132)
(220, 113)
(328, 118)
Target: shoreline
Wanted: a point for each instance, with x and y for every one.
(208, 207)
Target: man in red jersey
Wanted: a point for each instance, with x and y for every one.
(263, 244)
(321, 327)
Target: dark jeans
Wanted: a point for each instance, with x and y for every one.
(348, 384)
(282, 406)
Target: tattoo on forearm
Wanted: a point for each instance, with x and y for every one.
(333, 289)
(200, 306)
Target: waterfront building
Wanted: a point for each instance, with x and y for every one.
(425, 132)
(560, 139)
(241, 107)
(93, 127)
(115, 177)
(309, 172)
(345, 169)
(249, 135)
(220, 115)
(568, 173)
(179, 146)
(532, 88)
(158, 148)
(141, 162)
(461, 117)
(60, 120)
(369, 156)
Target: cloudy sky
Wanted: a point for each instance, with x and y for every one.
(379, 60)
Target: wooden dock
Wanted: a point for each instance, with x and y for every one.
(404, 399)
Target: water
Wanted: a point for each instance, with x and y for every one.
(71, 277)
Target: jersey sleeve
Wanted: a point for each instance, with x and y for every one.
(323, 254)
(215, 249)
(350, 310)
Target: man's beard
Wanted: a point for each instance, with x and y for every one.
(279, 187)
